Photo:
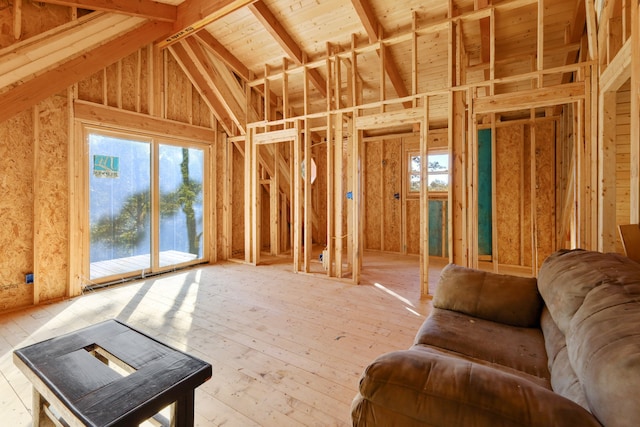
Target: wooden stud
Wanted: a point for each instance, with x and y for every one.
(17, 19)
(635, 114)
(607, 172)
(339, 192)
(533, 190)
(424, 200)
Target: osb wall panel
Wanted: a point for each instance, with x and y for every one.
(623, 159)
(319, 192)
(545, 189)
(178, 93)
(145, 80)
(201, 113)
(413, 226)
(36, 18)
(373, 195)
(112, 85)
(51, 198)
(237, 205)
(509, 144)
(91, 89)
(265, 217)
(16, 207)
(219, 178)
(391, 186)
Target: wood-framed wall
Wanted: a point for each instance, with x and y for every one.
(461, 107)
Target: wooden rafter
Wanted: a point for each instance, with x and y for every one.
(372, 26)
(68, 54)
(193, 15)
(210, 79)
(144, 8)
(198, 79)
(275, 28)
(215, 47)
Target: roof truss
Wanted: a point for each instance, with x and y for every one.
(143, 8)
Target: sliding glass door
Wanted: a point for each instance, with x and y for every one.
(146, 205)
(181, 209)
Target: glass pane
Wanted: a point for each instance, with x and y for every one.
(414, 164)
(181, 204)
(438, 162)
(414, 183)
(438, 182)
(119, 206)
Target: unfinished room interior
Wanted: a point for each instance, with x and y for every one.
(291, 190)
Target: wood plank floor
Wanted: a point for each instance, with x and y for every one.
(287, 349)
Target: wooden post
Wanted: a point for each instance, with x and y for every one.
(17, 19)
(424, 201)
(297, 200)
(607, 172)
(635, 113)
(495, 249)
(250, 198)
(356, 202)
(339, 192)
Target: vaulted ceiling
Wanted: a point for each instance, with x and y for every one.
(224, 45)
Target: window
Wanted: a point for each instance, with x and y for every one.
(146, 204)
(437, 172)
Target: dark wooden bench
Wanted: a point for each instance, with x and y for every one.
(110, 374)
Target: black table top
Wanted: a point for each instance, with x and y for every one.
(100, 396)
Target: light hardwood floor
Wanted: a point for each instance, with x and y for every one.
(286, 349)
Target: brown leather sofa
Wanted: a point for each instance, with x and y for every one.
(500, 350)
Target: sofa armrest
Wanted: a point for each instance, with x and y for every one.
(503, 298)
(437, 389)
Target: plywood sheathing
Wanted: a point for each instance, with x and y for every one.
(623, 159)
(510, 193)
(51, 210)
(16, 210)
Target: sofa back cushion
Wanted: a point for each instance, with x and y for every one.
(594, 299)
(501, 298)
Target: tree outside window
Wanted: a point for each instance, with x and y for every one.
(437, 172)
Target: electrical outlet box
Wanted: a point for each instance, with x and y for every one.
(28, 278)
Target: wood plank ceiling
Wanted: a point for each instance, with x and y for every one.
(222, 44)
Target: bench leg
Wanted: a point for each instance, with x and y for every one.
(182, 411)
(40, 417)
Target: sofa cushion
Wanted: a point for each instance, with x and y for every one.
(501, 298)
(520, 349)
(437, 389)
(595, 298)
(564, 380)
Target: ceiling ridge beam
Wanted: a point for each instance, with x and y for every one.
(284, 39)
(143, 8)
(193, 15)
(71, 70)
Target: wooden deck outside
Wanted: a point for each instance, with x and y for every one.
(287, 349)
(119, 266)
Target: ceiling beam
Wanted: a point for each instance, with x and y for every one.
(215, 47)
(26, 81)
(143, 8)
(372, 26)
(284, 39)
(214, 82)
(193, 15)
(200, 83)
